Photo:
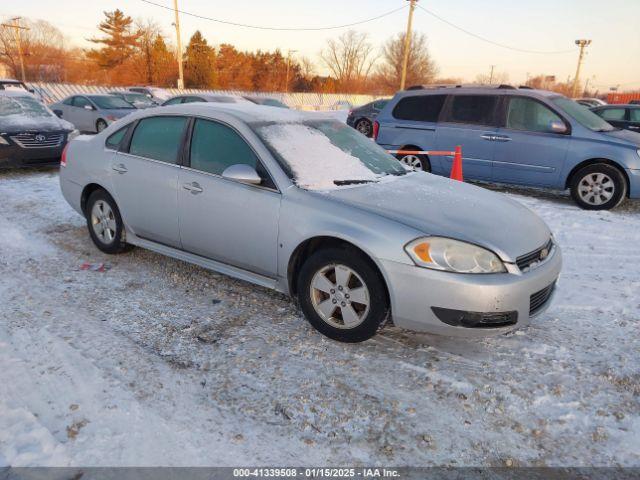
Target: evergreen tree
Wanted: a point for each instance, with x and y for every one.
(199, 61)
(119, 42)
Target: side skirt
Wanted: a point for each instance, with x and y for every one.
(207, 263)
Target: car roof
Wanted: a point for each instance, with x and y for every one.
(16, 93)
(477, 90)
(246, 112)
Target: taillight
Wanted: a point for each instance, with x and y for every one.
(376, 129)
(63, 157)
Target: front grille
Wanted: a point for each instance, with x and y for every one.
(539, 299)
(38, 140)
(533, 259)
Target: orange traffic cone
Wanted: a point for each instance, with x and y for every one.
(456, 168)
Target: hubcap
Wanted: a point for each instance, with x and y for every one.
(412, 161)
(596, 188)
(101, 126)
(364, 127)
(339, 296)
(103, 222)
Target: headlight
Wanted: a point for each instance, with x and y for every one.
(453, 256)
(3, 141)
(73, 134)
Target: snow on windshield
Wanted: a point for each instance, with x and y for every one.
(314, 160)
(26, 106)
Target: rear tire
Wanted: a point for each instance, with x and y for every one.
(365, 127)
(105, 223)
(415, 162)
(342, 295)
(598, 186)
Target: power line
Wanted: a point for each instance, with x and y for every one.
(261, 27)
(479, 37)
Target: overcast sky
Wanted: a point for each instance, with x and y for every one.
(543, 25)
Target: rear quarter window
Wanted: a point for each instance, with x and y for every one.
(421, 108)
(115, 139)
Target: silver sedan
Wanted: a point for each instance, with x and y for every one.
(92, 113)
(309, 207)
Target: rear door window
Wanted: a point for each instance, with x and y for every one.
(158, 138)
(420, 108)
(530, 115)
(634, 115)
(473, 109)
(614, 114)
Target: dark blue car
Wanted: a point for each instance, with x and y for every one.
(516, 136)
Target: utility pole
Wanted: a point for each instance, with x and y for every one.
(286, 85)
(407, 44)
(179, 45)
(15, 24)
(582, 44)
(491, 75)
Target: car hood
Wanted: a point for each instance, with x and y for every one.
(24, 123)
(442, 207)
(626, 136)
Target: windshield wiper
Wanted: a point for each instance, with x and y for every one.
(352, 182)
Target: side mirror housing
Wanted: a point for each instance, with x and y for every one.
(58, 113)
(557, 127)
(242, 173)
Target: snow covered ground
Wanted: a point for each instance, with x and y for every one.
(157, 362)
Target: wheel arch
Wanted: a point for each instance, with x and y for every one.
(87, 191)
(593, 161)
(311, 245)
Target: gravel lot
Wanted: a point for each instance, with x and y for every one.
(158, 362)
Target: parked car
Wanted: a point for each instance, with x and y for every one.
(204, 97)
(621, 116)
(92, 113)
(591, 102)
(269, 102)
(30, 133)
(156, 94)
(310, 207)
(634, 102)
(362, 118)
(516, 136)
(138, 100)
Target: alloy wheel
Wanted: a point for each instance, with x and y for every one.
(103, 222)
(364, 127)
(412, 161)
(596, 188)
(339, 296)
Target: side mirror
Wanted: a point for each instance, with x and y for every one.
(557, 127)
(58, 113)
(88, 107)
(242, 173)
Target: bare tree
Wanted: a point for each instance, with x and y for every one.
(350, 59)
(421, 68)
(497, 79)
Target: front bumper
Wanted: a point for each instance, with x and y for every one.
(13, 155)
(634, 183)
(414, 291)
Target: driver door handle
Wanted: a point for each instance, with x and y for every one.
(120, 168)
(193, 187)
(486, 136)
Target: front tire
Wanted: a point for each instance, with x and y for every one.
(105, 223)
(342, 295)
(598, 186)
(365, 127)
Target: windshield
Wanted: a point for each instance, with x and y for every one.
(110, 103)
(324, 154)
(582, 115)
(272, 102)
(138, 98)
(27, 106)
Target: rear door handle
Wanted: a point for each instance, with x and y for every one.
(120, 168)
(501, 138)
(193, 187)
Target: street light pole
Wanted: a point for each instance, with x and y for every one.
(15, 24)
(179, 46)
(286, 83)
(582, 44)
(407, 44)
